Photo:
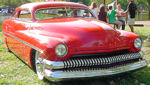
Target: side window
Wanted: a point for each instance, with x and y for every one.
(24, 15)
(47, 13)
(62, 12)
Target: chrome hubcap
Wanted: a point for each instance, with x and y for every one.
(39, 66)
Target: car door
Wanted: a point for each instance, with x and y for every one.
(9, 30)
(16, 26)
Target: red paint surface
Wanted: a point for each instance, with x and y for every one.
(81, 36)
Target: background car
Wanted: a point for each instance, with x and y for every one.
(0, 10)
(63, 40)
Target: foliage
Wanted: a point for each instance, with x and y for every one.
(13, 3)
(123, 4)
(86, 2)
(97, 1)
(36, 0)
(144, 3)
(16, 3)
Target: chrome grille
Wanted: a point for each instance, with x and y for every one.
(102, 62)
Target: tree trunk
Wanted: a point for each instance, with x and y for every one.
(9, 3)
(149, 14)
(148, 38)
(149, 8)
(116, 2)
(104, 2)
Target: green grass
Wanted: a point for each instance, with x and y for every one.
(142, 17)
(142, 31)
(14, 71)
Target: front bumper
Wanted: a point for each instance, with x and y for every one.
(59, 75)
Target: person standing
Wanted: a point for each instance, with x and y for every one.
(120, 16)
(112, 17)
(131, 10)
(102, 13)
(94, 9)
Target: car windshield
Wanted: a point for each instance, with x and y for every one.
(62, 12)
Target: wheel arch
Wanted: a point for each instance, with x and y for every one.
(32, 59)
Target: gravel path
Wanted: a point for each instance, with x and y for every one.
(145, 23)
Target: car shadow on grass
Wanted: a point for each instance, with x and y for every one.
(88, 81)
(119, 79)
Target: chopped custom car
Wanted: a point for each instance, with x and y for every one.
(64, 40)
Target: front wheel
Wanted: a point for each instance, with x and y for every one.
(39, 66)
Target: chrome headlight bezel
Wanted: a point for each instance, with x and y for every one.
(61, 50)
(138, 43)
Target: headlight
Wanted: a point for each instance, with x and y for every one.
(61, 50)
(138, 43)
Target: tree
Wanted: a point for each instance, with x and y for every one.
(97, 1)
(148, 38)
(149, 8)
(13, 3)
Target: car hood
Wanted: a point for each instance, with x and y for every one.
(83, 34)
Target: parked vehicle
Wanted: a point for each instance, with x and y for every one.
(0, 10)
(4, 12)
(63, 40)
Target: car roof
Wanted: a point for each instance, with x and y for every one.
(37, 5)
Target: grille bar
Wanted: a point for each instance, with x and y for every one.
(98, 61)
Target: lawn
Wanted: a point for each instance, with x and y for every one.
(15, 72)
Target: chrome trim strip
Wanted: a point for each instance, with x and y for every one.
(60, 75)
(23, 42)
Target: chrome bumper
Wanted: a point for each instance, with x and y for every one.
(62, 75)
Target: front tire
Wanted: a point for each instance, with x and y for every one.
(39, 66)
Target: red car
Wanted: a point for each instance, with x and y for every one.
(63, 40)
